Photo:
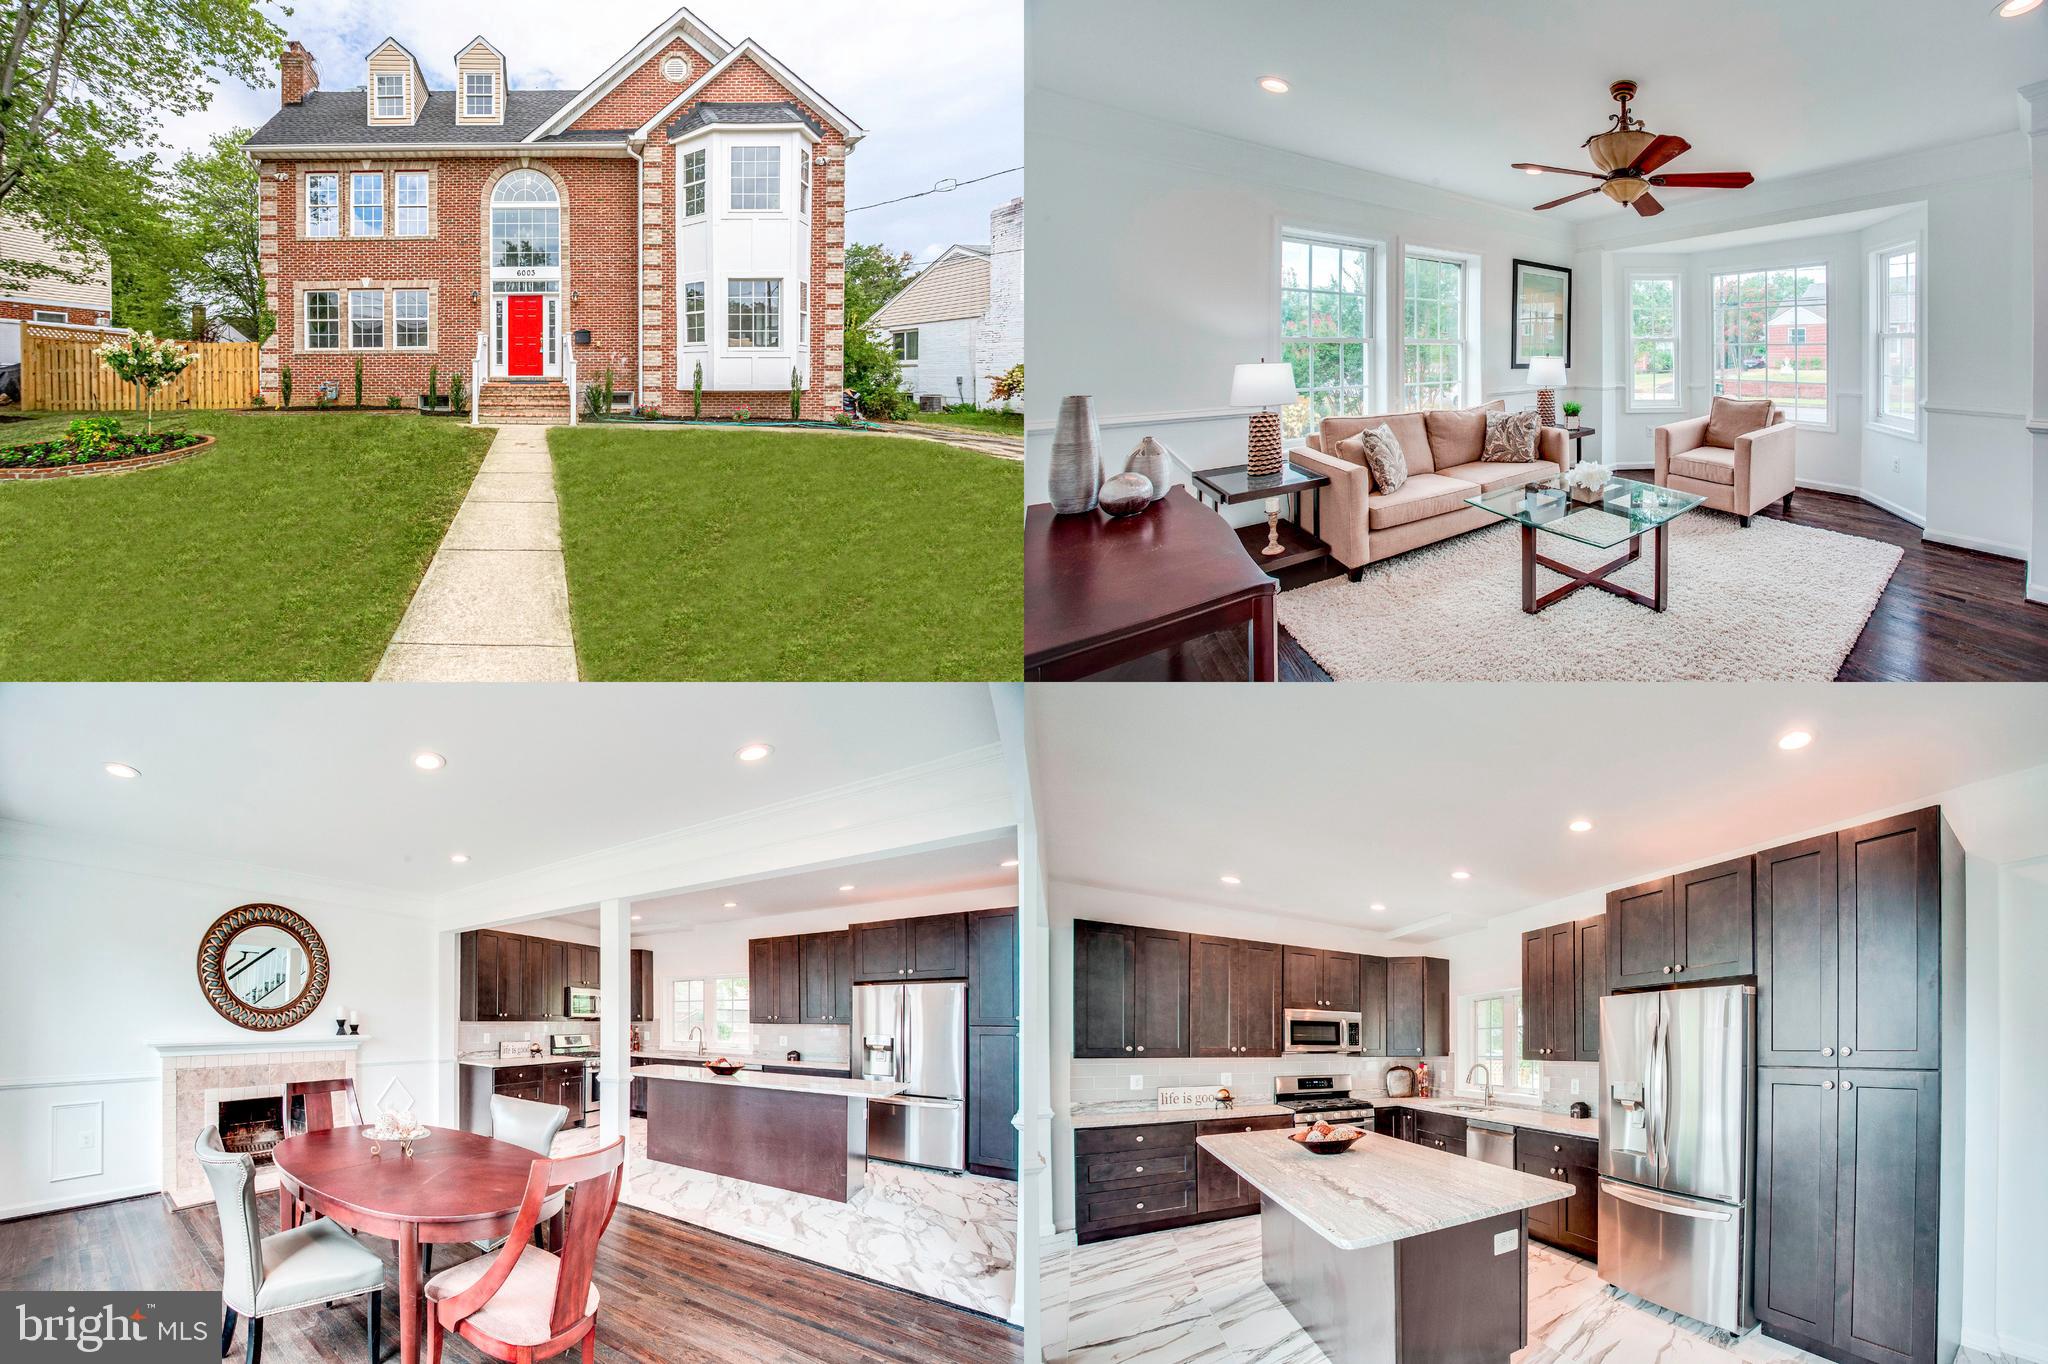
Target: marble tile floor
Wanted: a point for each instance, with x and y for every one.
(949, 1237)
(1194, 1296)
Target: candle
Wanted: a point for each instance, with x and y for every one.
(352, 1017)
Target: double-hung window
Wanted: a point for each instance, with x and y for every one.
(693, 314)
(693, 184)
(366, 319)
(906, 346)
(757, 179)
(323, 319)
(390, 96)
(1771, 338)
(803, 312)
(718, 1005)
(1653, 342)
(1491, 1035)
(409, 204)
(323, 205)
(409, 319)
(753, 314)
(479, 94)
(1432, 332)
(803, 181)
(1326, 327)
(366, 204)
(1897, 340)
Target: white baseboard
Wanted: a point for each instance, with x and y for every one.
(1992, 1343)
(2003, 551)
(2038, 592)
(43, 1205)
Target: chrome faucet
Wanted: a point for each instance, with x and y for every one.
(698, 1033)
(1485, 1079)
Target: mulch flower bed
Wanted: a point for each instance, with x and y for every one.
(67, 456)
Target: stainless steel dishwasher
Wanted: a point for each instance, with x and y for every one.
(1490, 1142)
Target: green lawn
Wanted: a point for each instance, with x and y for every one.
(784, 555)
(997, 423)
(286, 552)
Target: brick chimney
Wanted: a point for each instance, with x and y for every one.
(298, 75)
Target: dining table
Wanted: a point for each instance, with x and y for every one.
(455, 1186)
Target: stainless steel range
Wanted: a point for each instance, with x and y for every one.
(584, 1045)
(1321, 1098)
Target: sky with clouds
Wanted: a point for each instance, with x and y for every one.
(938, 84)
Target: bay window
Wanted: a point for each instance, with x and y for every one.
(1326, 327)
(1432, 332)
(693, 184)
(1771, 338)
(693, 314)
(1653, 342)
(753, 314)
(757, 179)
(1897, 340)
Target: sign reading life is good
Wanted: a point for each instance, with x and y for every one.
(117, 1327)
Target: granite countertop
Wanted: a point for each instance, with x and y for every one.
(494, 1062)
(744, 1058)
(1382, 1189)
(795, 1084)
(1507, 1115)
(1138, 1112)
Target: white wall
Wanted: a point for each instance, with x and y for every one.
(101, 943)
(1894, 466)
(1156, 253)
(945, 353)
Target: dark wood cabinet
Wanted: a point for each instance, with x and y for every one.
(1418, 1006)
(992, 1061)
(1572, 1223)
(1218, 1190)
(494, 978)
(1698, 925)
(774, 980)
(542, 1082)
(644, 1003)
(1130, 991)
(1642, 935)
(1796, 1184)
(825, 970)
(1590, 960)
(1233, 996)
(1550, 994)
(1796, 945)
(1372, 1005)
(1439, 1131)
(992, 968)
(1398, 1123)
(513, 976)
(933, 947)
(1129, 1180)
(881, 951)
(1315, 978)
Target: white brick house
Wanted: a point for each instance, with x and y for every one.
(961, 318)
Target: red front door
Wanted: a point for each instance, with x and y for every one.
(522, 334)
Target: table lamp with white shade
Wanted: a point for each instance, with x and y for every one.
(1267, 387)
(1546, 372)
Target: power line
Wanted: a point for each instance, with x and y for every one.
(946, 186)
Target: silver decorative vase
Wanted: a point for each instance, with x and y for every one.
(1155, 462)
(1076, 457)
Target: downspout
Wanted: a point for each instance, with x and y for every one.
(634, 146)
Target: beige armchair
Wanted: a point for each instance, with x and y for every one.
(1741, 478)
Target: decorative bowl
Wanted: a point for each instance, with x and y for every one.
(1334, 1142)
(405, 1137)
(724, 1067)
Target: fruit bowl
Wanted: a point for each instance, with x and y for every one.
(1324, 1140)
(724, 1067)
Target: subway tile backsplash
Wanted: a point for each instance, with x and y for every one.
(1251, 1078)
(815, 1042)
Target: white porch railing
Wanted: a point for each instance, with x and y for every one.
(477, 369)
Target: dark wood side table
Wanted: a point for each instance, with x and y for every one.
(1573, 438)
(1099, 591)
(1300, 544)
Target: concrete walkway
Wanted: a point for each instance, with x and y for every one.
(981, 442)
(494, 605)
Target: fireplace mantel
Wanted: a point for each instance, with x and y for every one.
(199, 1075)
(267, 1044)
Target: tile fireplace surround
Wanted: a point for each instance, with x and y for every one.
(198, 1076)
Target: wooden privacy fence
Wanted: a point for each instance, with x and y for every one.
(60, 373)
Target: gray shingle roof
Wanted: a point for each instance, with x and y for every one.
(704, 115)
(341, 118)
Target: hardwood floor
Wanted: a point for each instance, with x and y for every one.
(669, 1292)
(1948, 615)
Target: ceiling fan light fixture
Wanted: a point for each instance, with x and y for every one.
(1618, 150)
(2013, 9)
(1626, 189)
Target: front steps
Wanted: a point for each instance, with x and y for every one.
(527, 402)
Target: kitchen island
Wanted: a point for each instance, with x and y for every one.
(1392, 1252)
(804, 1133)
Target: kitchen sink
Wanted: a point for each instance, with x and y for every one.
(1463, 1108)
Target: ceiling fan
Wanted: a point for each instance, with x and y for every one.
(1626, 156)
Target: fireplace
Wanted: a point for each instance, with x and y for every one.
(252, 1126)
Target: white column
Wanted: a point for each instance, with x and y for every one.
(1034, 1081)
(2034, 110)
(444, 1105)
(615, 981)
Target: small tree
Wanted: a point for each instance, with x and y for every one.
(284, 386)
(796, 395)
(148, 363)
(697, 394)
(359, 381)
(433, 387)
(455, 391)
(1007, 385)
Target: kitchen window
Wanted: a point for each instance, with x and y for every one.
(409, 318)
(323, 205)
(479, 94)
(1897, 318)
(725, 1024)
(1653, 342)
(409, 204)
(693, 184)
(1771, 339)
(1491, 1035)
(756, 179)
(1432, 332)
(753, 314)
(366, 319)
(693, 314)
(1326, 327)
(323, 319)
(390, 96)
(366, 204)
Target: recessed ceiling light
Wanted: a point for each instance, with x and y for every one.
(1461, 875)
(1581, 826)
(1798, 738)
(846, 887)
(732, 904)
(2013, 9)
(1273, 85)
(1231, 881)
(1377, 908)
(1532, 170)
(1010, 862)
(458, 857)
(429, 761)
(122, 770)
(753, 753)
(636, 918)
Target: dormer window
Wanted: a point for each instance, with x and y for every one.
(479, 94)
(390, 95)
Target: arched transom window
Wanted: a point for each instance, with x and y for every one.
(526, 221)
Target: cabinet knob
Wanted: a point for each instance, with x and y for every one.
(1557, 1148)
(1679, 967)
(1141, 1205)
(1138, 1170)
(1667, 970)
(1127, 1048)
(1141, 1049)
(1846, 1086)
(1827, 1051)
(1141, 1140)
(1846, 1049)
(1827, 1084)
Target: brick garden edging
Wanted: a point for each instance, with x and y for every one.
(110, 466)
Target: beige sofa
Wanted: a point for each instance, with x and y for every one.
(1442, 449)
(1741, 479)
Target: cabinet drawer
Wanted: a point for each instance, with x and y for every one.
(1117, 1171)
(1437, 1141)
(1554, 1148)
(1428, 1125)
(1221, 1127)
(515, 1075)
(1145, 1204)
(1091, 1141)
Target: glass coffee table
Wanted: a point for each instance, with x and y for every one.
(1627, 510)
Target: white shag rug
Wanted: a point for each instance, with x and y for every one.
(1773, 602)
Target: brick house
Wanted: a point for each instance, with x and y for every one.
(685, 209)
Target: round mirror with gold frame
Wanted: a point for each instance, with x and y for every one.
(263, 967)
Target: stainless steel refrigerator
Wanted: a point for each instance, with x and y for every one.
(917, 1035)
(1676, 1079)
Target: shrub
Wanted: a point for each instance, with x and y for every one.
(455, 391)
(359, 381)
(323, 402)
(433, 386)
(796, 395)
(256, 400)
(392, 402)
(742, 415)
(1007, 385)
(92, 435)
(842, 418)
(697, 394)
(597, 398)
(284, 386)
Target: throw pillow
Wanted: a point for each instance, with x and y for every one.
(1510, 438)
(1384, 458)
(1732, 417)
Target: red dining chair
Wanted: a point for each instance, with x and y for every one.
(523, 1303)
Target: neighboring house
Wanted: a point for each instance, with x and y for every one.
(1799, 326)
(961, 318)
(49, 299)
(686, 208)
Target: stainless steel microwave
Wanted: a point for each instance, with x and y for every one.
(1326, 1030)
(582, 1002)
